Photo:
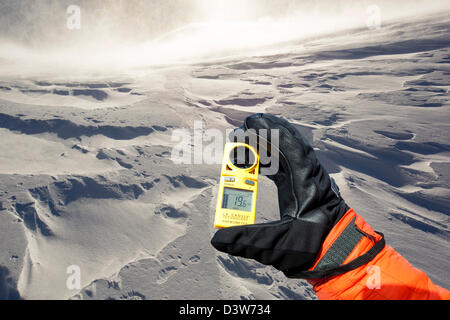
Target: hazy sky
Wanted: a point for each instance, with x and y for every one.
(52, 35)
(45, 21)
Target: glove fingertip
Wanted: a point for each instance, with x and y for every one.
(223, 239)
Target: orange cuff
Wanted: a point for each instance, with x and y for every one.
(360, 248)
(387, 275)
(351, 244)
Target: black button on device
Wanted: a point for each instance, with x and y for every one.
(250, 182)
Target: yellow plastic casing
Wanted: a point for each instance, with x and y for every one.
(238, 181)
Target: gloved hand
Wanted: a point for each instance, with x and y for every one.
(310, 206)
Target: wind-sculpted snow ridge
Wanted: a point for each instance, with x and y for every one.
(91, 183)
(66, 129)
(85, 95)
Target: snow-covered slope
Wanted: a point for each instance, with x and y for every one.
(86, 177)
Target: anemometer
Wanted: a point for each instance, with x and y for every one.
(236, 199)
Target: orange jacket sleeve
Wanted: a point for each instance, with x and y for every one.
(388, 276)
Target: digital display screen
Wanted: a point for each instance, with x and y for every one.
(236, 199)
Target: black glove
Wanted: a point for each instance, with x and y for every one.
(310, 206)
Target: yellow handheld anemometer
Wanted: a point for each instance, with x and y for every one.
(236, 200)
